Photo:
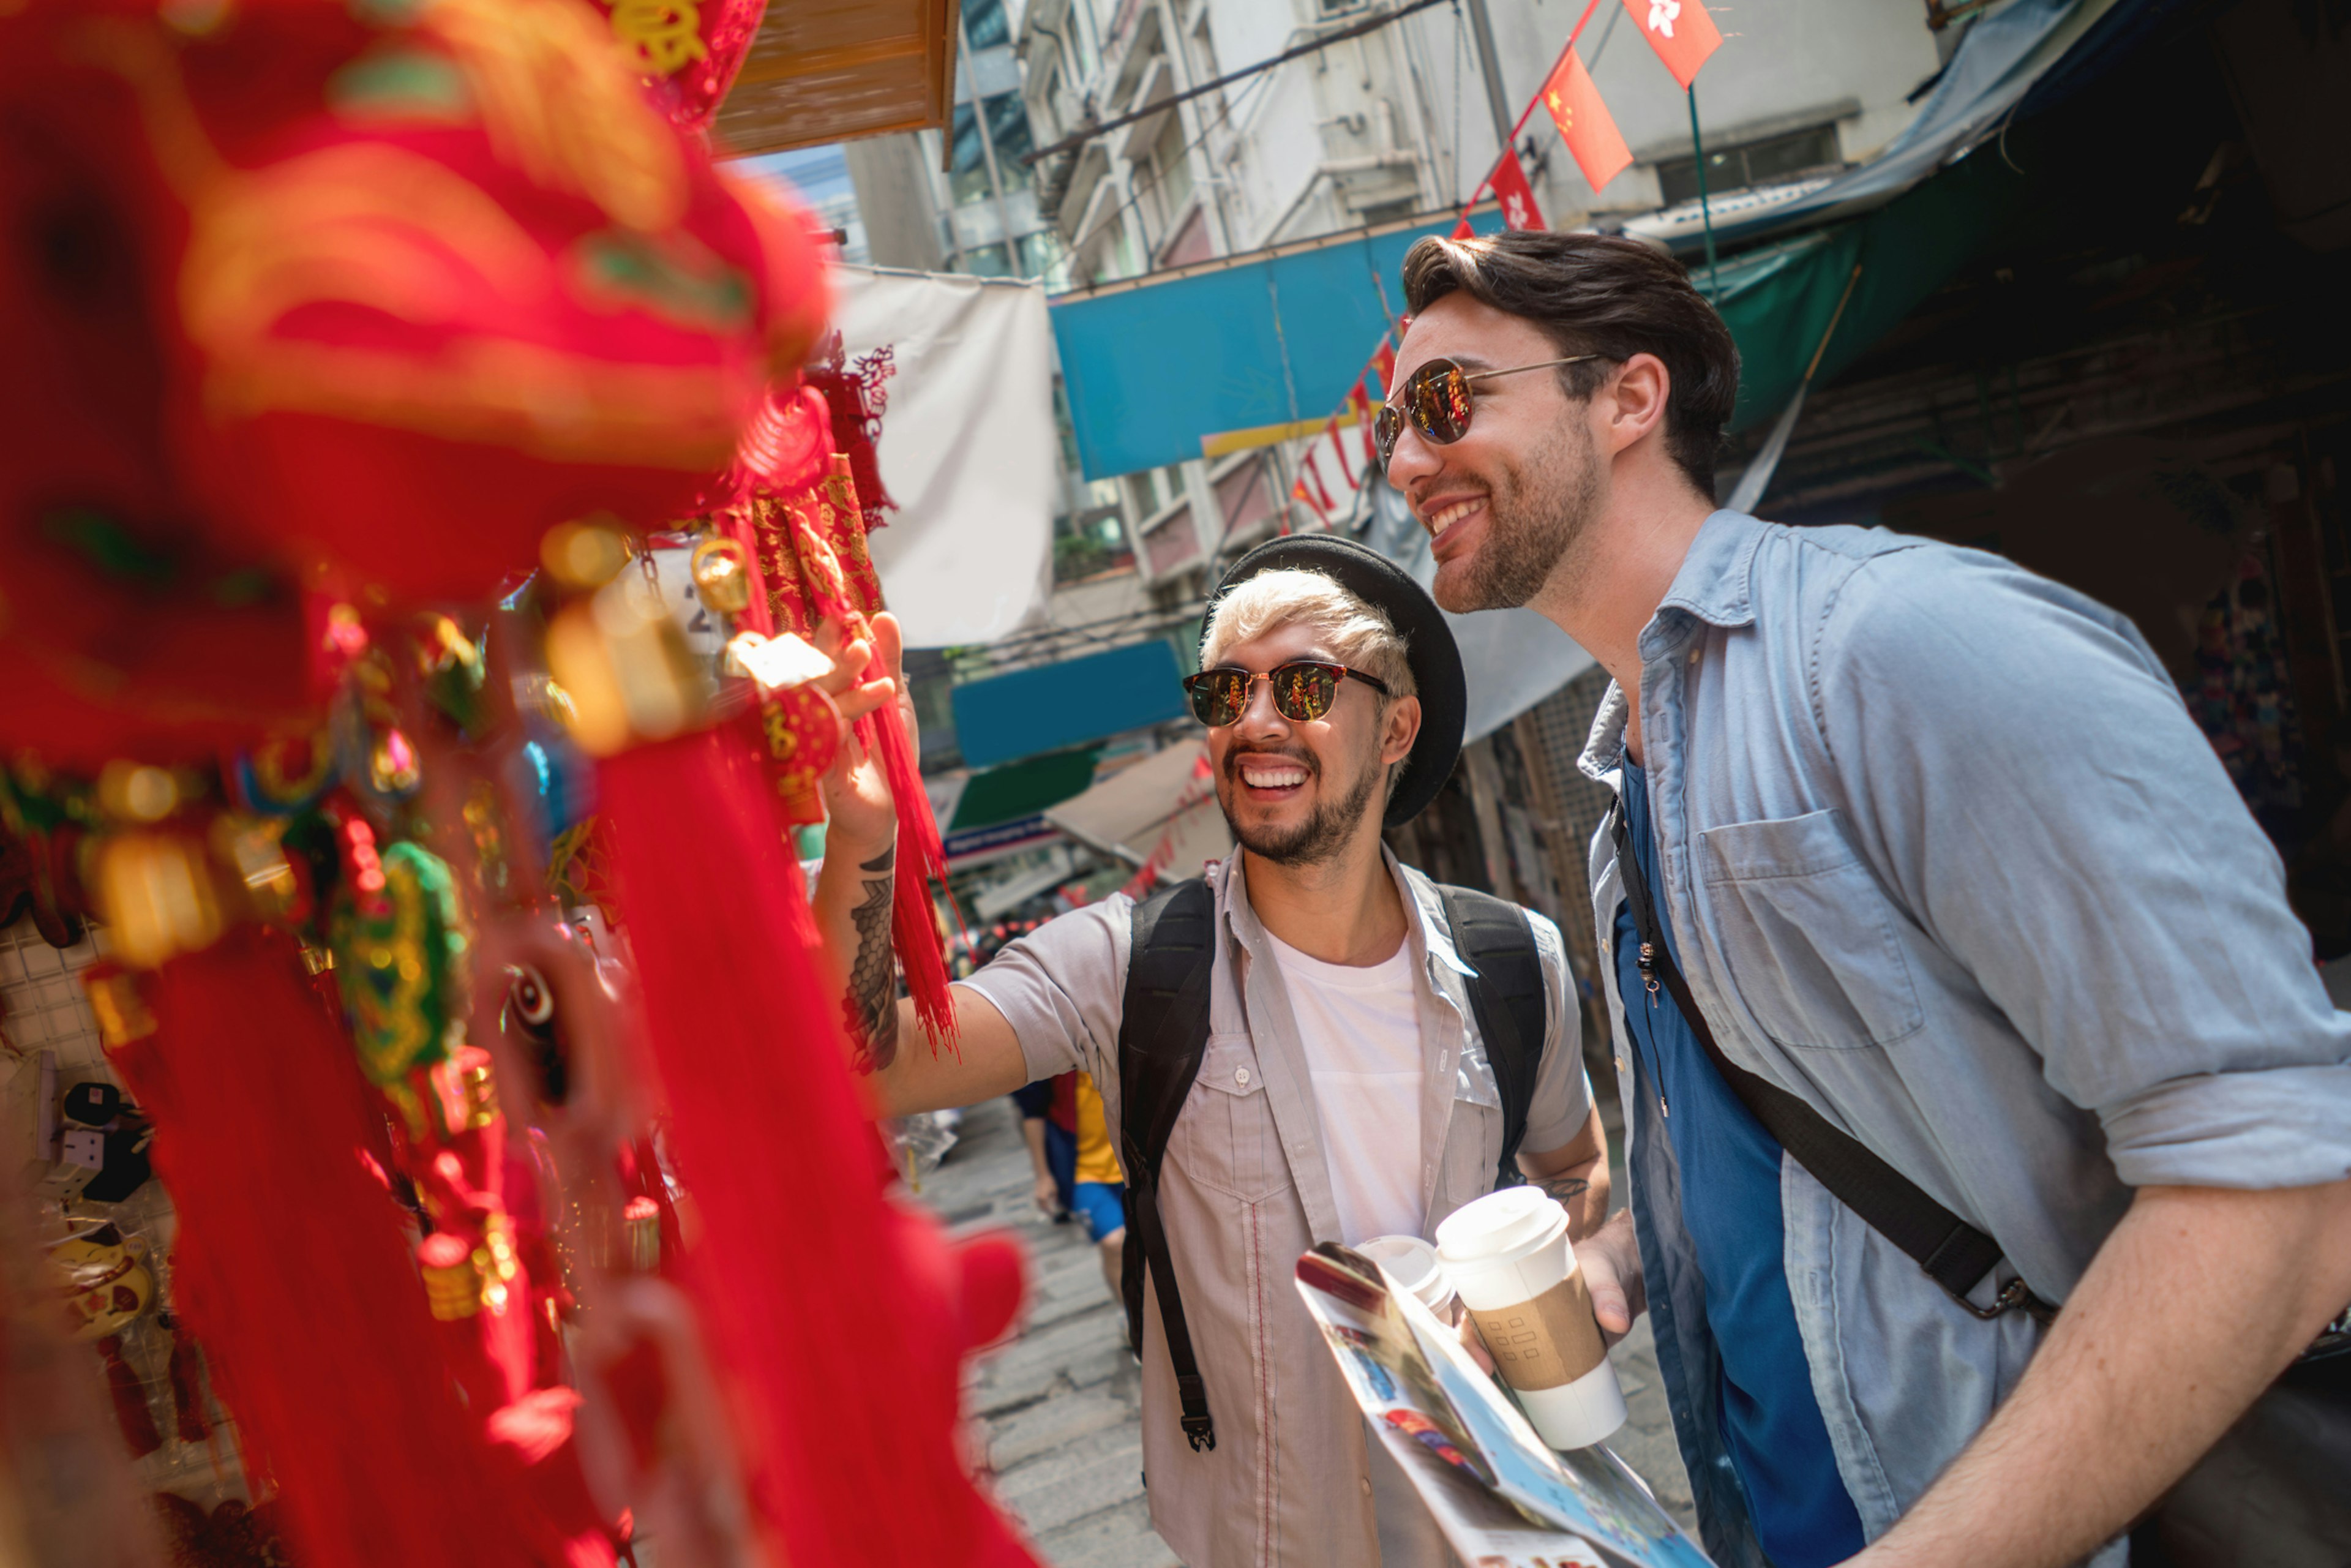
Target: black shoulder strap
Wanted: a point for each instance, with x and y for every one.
(1507, 995)
(1954, 1254)
(1162, 1030)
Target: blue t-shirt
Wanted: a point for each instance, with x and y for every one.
(1731, 1207)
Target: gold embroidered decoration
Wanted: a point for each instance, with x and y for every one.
(665, 34)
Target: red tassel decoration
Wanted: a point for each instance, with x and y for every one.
(292, 1269)
(841, 1352)
(913, 928)
(188, 1387)
(131, 1411)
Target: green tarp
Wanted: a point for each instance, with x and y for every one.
(1779, 301)
(1024, 789)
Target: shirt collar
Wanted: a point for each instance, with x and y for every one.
(1714, 585)
(1435, 947)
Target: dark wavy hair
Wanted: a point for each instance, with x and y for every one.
(1599, 294)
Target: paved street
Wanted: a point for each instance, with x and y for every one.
(1059, 1403)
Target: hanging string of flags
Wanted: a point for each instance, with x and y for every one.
(1682, 35)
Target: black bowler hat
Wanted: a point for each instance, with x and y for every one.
(1429, 648)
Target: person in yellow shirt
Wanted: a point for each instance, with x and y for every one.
(1077, 1165)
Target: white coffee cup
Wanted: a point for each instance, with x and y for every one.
(1509, 1257)
(1413, 1264)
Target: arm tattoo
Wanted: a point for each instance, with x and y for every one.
(1564, 1188)
(871, 1007)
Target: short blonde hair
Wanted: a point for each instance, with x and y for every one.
(1358, 634)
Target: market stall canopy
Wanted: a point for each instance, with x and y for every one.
(966, 447)
(832, 70)
(1161, 812)
(1157, 365)
(1997, 64)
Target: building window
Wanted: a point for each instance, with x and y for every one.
(984, 25)
(1172, 167)
(1041, 256)
(1007, 128)
(968, 167)
(987, 261)
(1769, 161)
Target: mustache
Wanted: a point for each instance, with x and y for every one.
(1299, 754)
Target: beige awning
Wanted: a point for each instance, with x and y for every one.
(1161, 812)
(832, 70)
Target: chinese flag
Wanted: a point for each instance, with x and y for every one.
(1583, 120)
(1680, 31)
(1463, 230)
(1518, 197)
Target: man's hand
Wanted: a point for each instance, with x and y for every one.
(862, 818)
(1049, 1197)
(1611, 1260)
(854, 891)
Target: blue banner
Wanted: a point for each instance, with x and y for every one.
(1067, 704)
(1154, 366)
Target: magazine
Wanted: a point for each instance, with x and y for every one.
(1502, 1498)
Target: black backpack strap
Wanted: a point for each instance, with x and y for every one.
(1163, 1032)
(1953, 1253)
(1493, 937)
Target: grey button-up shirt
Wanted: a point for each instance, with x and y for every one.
(1247, 1188)
(1945, 855)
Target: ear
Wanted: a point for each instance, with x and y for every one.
(1632, 403)
(1399, 729)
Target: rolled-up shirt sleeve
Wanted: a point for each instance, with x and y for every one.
(2021, 772)
(1062, 989)
(1563, 1095)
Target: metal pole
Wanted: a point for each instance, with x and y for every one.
(1497, 96)
(1705, 216)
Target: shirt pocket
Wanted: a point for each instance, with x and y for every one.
(1224, 1139)
(1808, 935)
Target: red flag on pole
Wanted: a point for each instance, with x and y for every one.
(1339, 450)
(1585, 123)
(1383, 370)
(1517, 198)
(1680, 31)
(1462, 230)
(1359, 403)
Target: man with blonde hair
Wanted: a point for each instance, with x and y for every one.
(1311, 1043)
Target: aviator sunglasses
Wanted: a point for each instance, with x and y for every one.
(1437, 400)
(1304, 691)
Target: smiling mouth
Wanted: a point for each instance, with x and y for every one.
(1270, 777)
(1443, 522)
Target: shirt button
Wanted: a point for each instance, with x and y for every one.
(1693, 658)
(1240, 1076)
(1620, 1065)
(1367, 1486)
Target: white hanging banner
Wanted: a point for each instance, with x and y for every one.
(966, 447)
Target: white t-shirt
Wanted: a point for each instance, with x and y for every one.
(1360, 1029)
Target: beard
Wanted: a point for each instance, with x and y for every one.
(1536, 520)
(1325, 831)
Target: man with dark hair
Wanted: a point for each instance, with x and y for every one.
(1921, 872)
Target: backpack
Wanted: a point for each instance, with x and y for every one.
(1163, 1032)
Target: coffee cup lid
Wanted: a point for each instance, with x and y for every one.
(1505, 1221)
(1412, 1260)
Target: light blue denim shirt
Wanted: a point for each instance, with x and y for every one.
(1945, 855)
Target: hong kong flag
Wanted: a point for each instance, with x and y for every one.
(1680, 31)
(1518, 197)
(1584, 121)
